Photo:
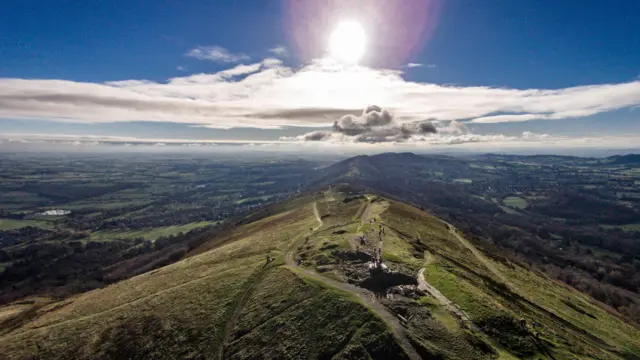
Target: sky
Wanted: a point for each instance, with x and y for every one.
(418, 74)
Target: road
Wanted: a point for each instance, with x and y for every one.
(364, 295)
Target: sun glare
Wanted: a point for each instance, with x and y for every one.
(347, 42)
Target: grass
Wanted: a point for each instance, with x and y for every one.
(167, 318)
(465, 280)
(463, 181)
(12, 224)
(172, 312)
(509, 210)
(148, 234)
(516, 202)
(563, 302)
(627, 227)
(308, 321)
(253, 199)
(223, 291)
(102, 205)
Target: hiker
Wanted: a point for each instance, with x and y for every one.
(523, 323)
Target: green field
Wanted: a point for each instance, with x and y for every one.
(148, 234)
(103, 206)
(11, 224)
(627, 227)
(516, 202)
(509, 210)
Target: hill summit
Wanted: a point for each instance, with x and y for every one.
(339, 273)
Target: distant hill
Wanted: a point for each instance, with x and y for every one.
(301, 280)
(624, 159)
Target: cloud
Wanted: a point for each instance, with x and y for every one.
(217, 54)
(268, 94)
(279, 51)
(374, 125)
(414, 65)
(181, 68)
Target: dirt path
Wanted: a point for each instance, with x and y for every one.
(364, 295)
(369, 299)
(288, 256)
(449, 305)
(553, 316)
(133, 302)
(317, 214)
(365, 216)
(479, 255)
(231, 323)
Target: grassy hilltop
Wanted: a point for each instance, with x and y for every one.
(442, 298)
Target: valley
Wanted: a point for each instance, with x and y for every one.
(362, 258)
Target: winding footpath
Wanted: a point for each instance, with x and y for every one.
(480, 256)
(449, 305)
(364, 295)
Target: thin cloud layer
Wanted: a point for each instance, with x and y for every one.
(280, 51)
(217, 54)
(268, 94)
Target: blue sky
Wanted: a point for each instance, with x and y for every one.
(485, 71)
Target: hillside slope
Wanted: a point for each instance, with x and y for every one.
(322, 294)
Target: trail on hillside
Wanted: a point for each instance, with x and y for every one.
(479, 255)
(449, 305)
(365, 214)
(231, 323)
(364, 295)
(317, 214)
(133, 302)
(554, 317)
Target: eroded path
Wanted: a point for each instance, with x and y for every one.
(479, 255)
(447, 304)
(364, 295)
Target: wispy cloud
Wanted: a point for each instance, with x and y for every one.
(181, 68)
(279, 51)
(217, 54)
(415, 65)
(268, 94)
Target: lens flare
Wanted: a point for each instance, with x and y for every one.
(394, 31)
(348, 42)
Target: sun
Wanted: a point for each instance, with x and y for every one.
(348, 42)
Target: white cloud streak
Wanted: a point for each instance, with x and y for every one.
(268, 94)
(415, 65)
(280, 51)
(216, 54)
